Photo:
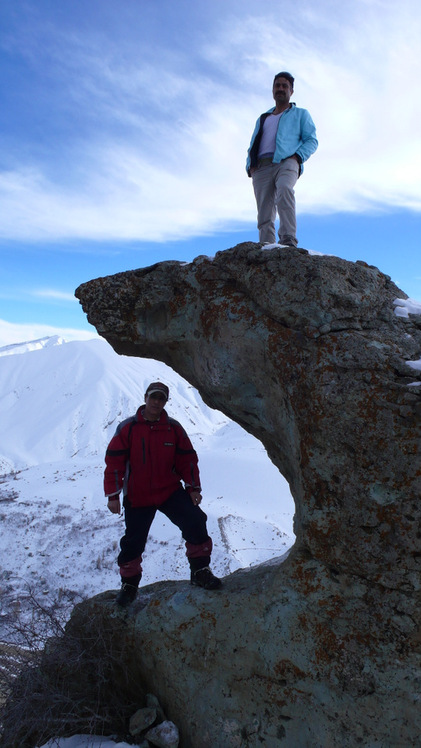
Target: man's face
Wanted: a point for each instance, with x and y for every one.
(154, 405)
(282, 90)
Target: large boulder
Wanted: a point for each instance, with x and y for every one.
(307, 353)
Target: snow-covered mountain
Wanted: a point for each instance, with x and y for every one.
(59, 406)
(32, 345)
(63, 402)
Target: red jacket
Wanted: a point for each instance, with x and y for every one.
(148, 459)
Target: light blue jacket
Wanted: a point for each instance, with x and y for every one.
(296, 134)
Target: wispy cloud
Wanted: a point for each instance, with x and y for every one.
(43, 295)
(53, 294)
(154, 153)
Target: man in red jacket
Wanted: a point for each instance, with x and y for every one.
(147, 457)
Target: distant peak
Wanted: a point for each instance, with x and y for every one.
(31, 345)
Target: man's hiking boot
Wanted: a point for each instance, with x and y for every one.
(126, 595)
(204, 578)
(288, 241)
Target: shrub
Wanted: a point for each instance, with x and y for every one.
(64, 679)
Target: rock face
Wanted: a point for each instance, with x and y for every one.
(306, 353)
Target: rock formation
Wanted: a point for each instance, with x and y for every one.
(306, 352)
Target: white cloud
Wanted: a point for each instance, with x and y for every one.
(160, 154)
(17, 293)
(51, 293)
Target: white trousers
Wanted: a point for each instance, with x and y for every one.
(273, 186)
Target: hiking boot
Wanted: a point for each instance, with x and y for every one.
(288, 241)
(204, 578)
(126, 595)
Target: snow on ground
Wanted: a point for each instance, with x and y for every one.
(59, 407)
(405, 307)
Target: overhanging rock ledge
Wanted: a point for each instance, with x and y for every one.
(307, 353)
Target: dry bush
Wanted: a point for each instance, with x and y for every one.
(68, 679)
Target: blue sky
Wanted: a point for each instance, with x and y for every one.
(125, 126)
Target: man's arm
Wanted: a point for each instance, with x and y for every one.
(116, 458)
(309, 142)
(252, 148)
(186, 460)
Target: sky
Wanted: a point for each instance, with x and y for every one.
(125, 126)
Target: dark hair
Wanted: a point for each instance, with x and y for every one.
(288, 76)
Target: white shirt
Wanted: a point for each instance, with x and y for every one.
(270, 127)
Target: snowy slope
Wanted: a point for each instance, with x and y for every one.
(64, 401)
(59, 406)
(33, 345)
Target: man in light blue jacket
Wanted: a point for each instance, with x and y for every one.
(283, 138)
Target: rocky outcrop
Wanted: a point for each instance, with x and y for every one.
(305, 352)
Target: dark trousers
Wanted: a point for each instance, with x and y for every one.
(179, 508)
